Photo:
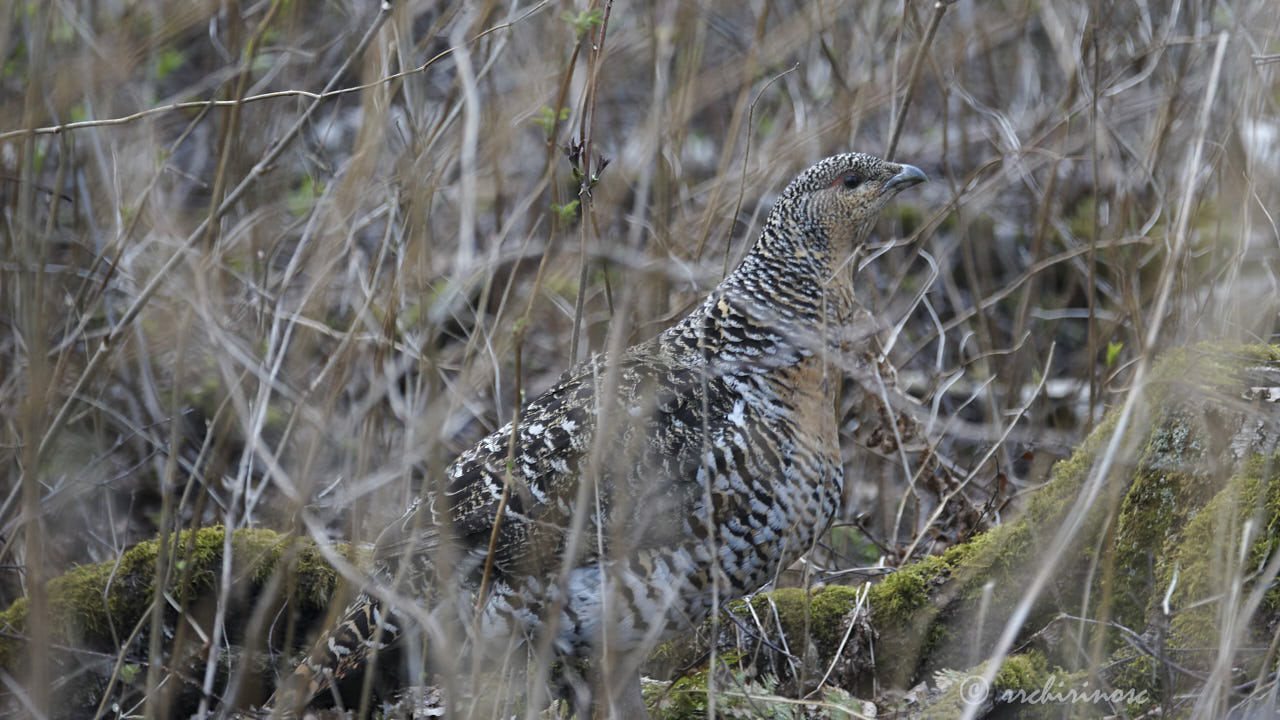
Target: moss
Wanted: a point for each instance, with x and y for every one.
(920, 610)
(1026, 671)
(905, 605)
(1137, 672)
(902, 609)
(904, 592)
(948, 707)
(12, 621)
(686, 697)
(816, 616)
(1017, 691)
(821, 611)
(1207, 556)
(1174, 512)
(1152, 514)
(957, 689)
(673, 655)
(92, 605)
(741, 697)
(1178, 488)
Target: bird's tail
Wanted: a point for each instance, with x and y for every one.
(364, 642)
(335, 671)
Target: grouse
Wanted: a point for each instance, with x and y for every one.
(646, 487)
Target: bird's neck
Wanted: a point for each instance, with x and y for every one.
(788, 300)
(801, 271)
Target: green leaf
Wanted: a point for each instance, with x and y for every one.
(301, 201)
(583, 21)
(262, 62)
(62, 32)
(1113, 352)
(567, 212)
(547, 118)
(170, 59)
(766, 124)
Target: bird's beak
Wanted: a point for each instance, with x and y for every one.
(908, 176)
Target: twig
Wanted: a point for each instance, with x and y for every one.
(945, 500)
(917, 62)
(1098, 475)
(858, 608)
(585, 141)
(131, 313)
(746, 156)
(326, 94)
(517, 335)
(735, 124)
(21, 693)
(1026, 275)
(1091, 329)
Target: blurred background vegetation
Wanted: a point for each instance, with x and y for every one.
(230, 297)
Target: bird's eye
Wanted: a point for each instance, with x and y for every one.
(851, 181)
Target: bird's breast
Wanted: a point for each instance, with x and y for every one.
(775, 472)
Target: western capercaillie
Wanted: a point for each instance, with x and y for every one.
(695, 465)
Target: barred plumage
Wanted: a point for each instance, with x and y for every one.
(706, 456)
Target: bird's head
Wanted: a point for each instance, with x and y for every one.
(842, 195)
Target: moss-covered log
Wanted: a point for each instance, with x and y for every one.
(99, 615)
(1151, 595)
